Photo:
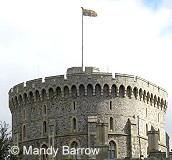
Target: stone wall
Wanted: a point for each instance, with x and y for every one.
(35, 104)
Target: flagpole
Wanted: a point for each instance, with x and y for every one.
(82, 43)
(91, 13)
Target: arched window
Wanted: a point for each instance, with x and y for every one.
(121, 91)
(89, 90)
(158, 102)
(81, 90)
(74, 124)
(74, 144)
(140, 93)
(44, 127)
(16, 100)
(74, 91)
(98, 90)
(44, 155)
(114, 90)
(155, 100)
(58, 92)
(51, 93)
(135, 92)
(37, 95)
(112, 150)
(148, 97)
(66, 91)
(144, 95)
(20, 99)
(151, 99)
(31, 97)
(111, 123)
(129, 90)
(105, 90)
(25, 98)
(44, 94)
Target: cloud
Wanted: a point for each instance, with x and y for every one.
(154, 4)
(167, 3)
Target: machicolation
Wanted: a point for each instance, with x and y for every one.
(89, 109)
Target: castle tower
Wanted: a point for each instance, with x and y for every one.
(88, 109)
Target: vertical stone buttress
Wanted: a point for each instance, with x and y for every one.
(153, 140)
(153, 151)
(102, 140)
(51, 136)
(92, 126)
(134, 140)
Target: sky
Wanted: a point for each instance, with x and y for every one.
(40, 38)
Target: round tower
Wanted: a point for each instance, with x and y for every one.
(88, 109)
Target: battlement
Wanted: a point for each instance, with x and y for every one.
(149, 84)
(140, 80)
(89, 71)
(59, 79)
(76, 78)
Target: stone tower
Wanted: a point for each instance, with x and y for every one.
(88, 109)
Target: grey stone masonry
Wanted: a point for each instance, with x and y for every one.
(88, 109)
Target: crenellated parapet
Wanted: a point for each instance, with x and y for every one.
(89, 108)
(90, 82)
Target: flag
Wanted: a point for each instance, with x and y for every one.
(87, 12)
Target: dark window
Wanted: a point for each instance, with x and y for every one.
(112, 150)
(111, 123)
(114, 90)
(121, 91)
(98, 90)
(135, 92)
(110, 105)
(44, 127)
(146, 129)
(58, 92)
(37, 95)
(73, 105)
(74, 91)
(105, 90)
(44, 109)
(44, 94)
(81, 90)
(44, 156)
(24, 114)
(51, 93)
(74, 123)
(74, 145)
(129, 92)
(89, 90)
(66, 92)
(24, 131)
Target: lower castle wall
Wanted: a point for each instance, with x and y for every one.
(62, 111)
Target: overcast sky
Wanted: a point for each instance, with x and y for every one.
(40, 38)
